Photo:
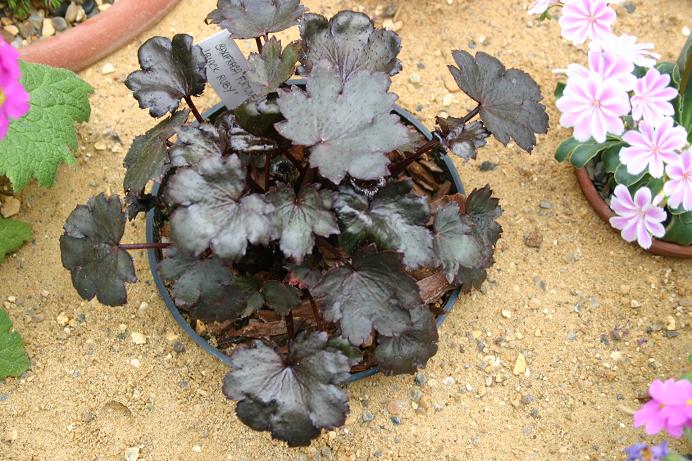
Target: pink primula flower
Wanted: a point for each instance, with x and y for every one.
(608, 66)
(586, 19)
(541, 6)
(14, 100)
(678, 188)
(652, 147)
(637, 218)
(670, 407)
(626, 46)
(651, 98)
(593, 106)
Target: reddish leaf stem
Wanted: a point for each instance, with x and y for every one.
(258, 40)
(400, 166)
(471, 114)
(294, 161)
(267, 170)
(290, 329)
(194, 110)
(143, 246)
(316, 312)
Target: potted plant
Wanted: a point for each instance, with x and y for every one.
(309, 232)
(632, 120)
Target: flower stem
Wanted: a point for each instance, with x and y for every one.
(194, 110)
(143, 246)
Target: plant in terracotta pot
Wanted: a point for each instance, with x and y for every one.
(310, 232)
(632, 120)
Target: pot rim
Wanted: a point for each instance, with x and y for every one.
(87, 43)
(658, 247)
(153, 254)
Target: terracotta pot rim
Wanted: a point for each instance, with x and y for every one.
(87, 43)
(658, 247)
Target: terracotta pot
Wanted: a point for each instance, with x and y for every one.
(153, 235)
(658, 247)
(81, 46)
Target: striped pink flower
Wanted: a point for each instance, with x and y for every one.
(586, 19)
(541, 6)
(651, 98)
(637, 218)
(678, 188)
(651, 148)
(608, 66)
(626, 46)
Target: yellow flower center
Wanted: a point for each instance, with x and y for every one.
(689, 402)
(2, 97)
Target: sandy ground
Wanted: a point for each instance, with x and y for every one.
(597, 319)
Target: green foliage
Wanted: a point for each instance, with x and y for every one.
(13, 234)
(13, 358)
(40, 141)
(21, 8)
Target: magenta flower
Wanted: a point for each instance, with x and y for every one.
(626, 46)
(678, 188)
(14, 100)
(586, 19)
(652, 147)
(541, 6)
(593, 106)
(608, 66)
(637, 218)
(651, 96)
(670, 407)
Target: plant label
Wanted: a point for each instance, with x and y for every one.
(226, 69)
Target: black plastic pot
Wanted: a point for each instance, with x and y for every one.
(153, 226)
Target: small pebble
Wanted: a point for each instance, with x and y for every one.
(545, 204)
(520, 365)
(135, 363)
(448, 381)
(138, 338)
(415, 78)
(107, 68)
(197, 449)
(395, 407)
(367, 416)
(395, 420)
(506, 314)
(420, 378)
(487, 166)
(178, 347)
(132, 454)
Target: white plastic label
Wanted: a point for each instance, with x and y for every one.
(226, 69)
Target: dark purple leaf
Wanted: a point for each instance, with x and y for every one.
(294, 397)
(270, 69)
(193, 277)
(195, 143)
(171, 71)
(348, 126)
(508, 99)
(395, 218)
(349, 42)
(210, 215)
(302, 277)
(255, 18)
(280, 297)
(90, 250)
(239, 298)
(410, 350)
(299, 219)
(241, 141)
(463, 140)
(373, 292)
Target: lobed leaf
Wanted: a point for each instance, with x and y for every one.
(411, 350)
(90, 249)
(238, 298)
(294, 397)
(297, 219)
(302, 276)
(347, 125)
(193, 277)
(350, 43)
(38, 143)
(373, 292)
(13, 234)
(13, 357)
(508, 99)
(147, 158)
(463, 140)
(280, 297)
(171, 71)
(256, 18)
(210, 215)
(395, 218)
(270, 69)
(240, 141)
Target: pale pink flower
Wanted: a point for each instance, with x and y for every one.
(541, 6)
(586, 19)
(670, 408)
(678, 188)
(637, 218)
(651, 97)
(593, 106)
(608, 66)
(626, 46)
(652, 147)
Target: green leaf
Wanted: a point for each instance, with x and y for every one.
(685, 87)
(13, 358)
(559, 89)
(39, 142)
(679, 229)
(564, 150)
(626, 179)
(611, 158)
(270, 69)
(584, 153)
(13, 234)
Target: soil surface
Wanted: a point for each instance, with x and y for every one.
(594, 318)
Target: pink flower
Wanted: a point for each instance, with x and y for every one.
(586, 19)
(651, 96)
(626, 46)
(593, 106)
(637, 218)
(670, 407)
(14, 100)
(678, 188)
(608, 66)
(541, 6)
(650, 147)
